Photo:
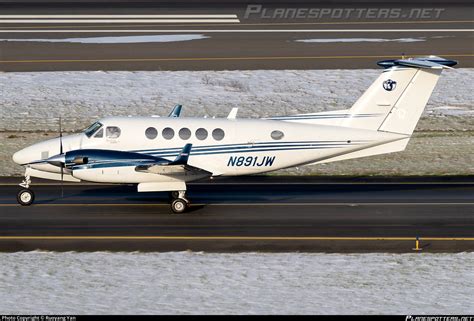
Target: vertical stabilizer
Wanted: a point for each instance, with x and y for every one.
(397, 98)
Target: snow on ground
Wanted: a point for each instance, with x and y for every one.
(330, 40)
(245, 283)
(452, 111)
(119, 39)
(34, 101)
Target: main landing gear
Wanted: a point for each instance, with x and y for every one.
(25, 196)
(179, 202)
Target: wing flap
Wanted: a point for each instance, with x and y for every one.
(172, 170)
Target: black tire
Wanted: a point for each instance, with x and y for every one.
(179, 206)
(25, 197)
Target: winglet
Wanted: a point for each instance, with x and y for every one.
(176, 111)
(182, 158)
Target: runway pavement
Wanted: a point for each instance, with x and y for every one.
(230, 39)
(247, 214)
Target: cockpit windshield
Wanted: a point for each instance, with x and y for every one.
(92, 129)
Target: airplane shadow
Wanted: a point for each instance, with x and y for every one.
(208, 194)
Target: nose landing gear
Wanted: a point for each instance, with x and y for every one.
(25, 196)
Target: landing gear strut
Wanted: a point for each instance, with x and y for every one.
(25, 196)
(179, 202)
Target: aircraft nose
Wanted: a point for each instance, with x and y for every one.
(20, 157)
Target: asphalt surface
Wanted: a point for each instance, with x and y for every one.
(255, 42)
(246, 214)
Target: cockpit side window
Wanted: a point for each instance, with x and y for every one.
(112, 132)
(99, 134)
(92, 129)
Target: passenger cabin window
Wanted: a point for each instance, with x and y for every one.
(201, 134)
(168, 133)
(218, 134)
(92, 129)
(112, 132)
(151, 133)
(277, 135)
(184, 133)
(99, 134)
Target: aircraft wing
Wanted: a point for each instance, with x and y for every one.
(177, 167)
(85, 159)
(163, 169)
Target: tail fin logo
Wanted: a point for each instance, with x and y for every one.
(389, 84)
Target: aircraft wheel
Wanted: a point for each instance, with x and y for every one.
(25, 197)
(179, 205)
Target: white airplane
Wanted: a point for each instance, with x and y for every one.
(164, 153)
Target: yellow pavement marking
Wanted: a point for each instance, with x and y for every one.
(244, 204)
(214, 183)
(88, 204)
(237, 238)
(55, 183)
(217, 58)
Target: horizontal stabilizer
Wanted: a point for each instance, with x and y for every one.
(430, 62)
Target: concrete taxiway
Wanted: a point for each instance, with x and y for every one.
(247, 214)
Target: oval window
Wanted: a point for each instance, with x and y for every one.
(168, 133)
(218, 134)
(184, 133)
(151, 133)
(277, 135)
(201, 133)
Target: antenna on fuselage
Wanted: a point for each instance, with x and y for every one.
(176, 111)
(233, 113)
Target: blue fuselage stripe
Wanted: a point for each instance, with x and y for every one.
(247, 145)
(121, 164)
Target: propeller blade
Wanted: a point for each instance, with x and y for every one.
(62, 180)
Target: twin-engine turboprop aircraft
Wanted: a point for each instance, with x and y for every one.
(164, 153)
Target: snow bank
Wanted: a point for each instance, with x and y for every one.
(32, 101)
(247, 283)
